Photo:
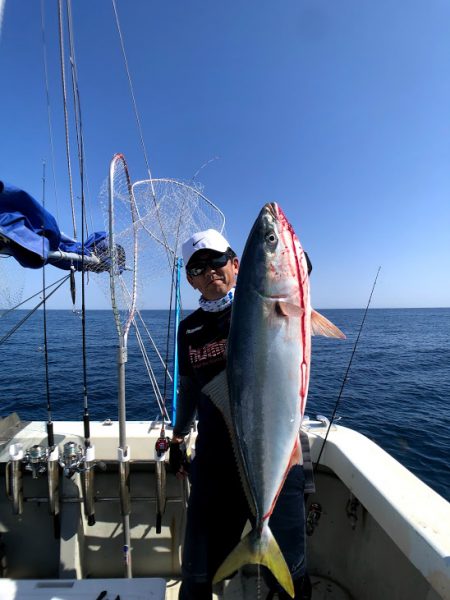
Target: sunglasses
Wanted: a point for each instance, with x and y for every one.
(214, 262)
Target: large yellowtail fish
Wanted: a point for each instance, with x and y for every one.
(262, 394)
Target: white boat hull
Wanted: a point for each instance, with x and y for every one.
(382, 533)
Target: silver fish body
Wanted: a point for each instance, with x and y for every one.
(263, 393)
(269, 355)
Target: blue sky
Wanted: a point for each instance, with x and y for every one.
(337, 110)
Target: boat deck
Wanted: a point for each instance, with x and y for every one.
(378, 533)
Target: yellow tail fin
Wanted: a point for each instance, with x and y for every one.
(258, 550)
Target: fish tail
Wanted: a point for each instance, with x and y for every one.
(256, 549)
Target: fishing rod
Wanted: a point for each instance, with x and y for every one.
(52, 454)
(87, 474)
(163, 442)
(345, 379)
(76, 459)
(38, 459)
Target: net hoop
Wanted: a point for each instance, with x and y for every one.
(119, 168)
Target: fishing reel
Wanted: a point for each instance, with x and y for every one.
(74, 459)
(161, 446)
(36, 460)
(39, 460)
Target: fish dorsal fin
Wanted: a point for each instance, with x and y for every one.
(218, 392)
(320, 325)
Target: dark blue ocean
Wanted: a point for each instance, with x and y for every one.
(397, 393)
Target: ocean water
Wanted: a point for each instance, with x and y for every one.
(397, 392)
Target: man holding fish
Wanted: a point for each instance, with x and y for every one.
(244, 359)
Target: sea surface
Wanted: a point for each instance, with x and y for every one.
(397, 392)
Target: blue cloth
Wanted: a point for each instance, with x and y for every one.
(30, 232)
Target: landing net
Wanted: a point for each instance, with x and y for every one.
(148, 221)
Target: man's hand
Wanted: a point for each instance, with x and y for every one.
(177, 457)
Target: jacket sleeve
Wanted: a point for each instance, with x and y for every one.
(188, 393)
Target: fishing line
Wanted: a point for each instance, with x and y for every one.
(76, 101)
(133, 97)
(146, 360)
(205, 164)
(66, 117)
(152, 341)
(50, 128)
(28, 315)
(141, 134)
(344, 381)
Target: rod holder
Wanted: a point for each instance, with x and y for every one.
(14, 478)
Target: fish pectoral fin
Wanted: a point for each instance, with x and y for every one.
(217, 391)
(320, 325)
(287, 309)
(255, 550)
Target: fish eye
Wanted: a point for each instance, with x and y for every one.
(271, 238)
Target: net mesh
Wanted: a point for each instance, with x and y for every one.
(12, 278)
(171, 211)
(166, 213)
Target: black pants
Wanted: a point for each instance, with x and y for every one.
(217, 513)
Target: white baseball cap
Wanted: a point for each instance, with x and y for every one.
(204, 240)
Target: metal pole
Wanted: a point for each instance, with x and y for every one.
(124, 459)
